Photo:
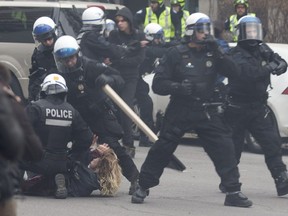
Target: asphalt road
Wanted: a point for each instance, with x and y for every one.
(193, 192)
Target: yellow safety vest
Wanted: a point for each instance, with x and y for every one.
(233, 23)
(183, 24)
(164, 21)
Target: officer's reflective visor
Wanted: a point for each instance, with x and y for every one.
(157, 36)
(250, 31)
(203, 28)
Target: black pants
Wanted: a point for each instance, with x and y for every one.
(216, 137)
(145, 104)
(259, 120)
(50, 165)
(108, 130)
(128, 95)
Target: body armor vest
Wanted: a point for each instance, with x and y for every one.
(198, 69)
(55, 125)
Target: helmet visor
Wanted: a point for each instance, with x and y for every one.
(250, 31)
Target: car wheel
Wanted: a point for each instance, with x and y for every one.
(135, 129)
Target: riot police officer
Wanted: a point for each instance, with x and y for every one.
(247, 108)
(42, 60)
(155, 49)
(188, 72)
(56, 122)
(91, 39)
(85, 78)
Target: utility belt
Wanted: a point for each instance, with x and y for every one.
(248, 103)
(197, 103)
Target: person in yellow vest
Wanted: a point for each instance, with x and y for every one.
(241, 9)
(178, 16)
(157, 12)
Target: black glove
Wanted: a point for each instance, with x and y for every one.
(185, 88)
(133, 46)
(266, 52)
(213, 46)
(277, 66)
(104, 79)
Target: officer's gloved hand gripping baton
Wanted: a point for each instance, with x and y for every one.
(175, 163)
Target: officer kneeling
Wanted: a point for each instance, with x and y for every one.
(56, 122)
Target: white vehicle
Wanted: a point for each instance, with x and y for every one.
(16, 24)
(278, 101)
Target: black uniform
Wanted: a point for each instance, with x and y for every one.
(190, 110)
(95, 46)
(248, 109)
(128, 68)
(144, 101)
(86, 95)
(42, 64)
(56, 122)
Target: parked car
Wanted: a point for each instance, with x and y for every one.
(16, 24)
(277, 102)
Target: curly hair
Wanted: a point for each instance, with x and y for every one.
(109, 173)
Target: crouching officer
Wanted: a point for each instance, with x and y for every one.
(56, 122)
(247, 109)
(85, 78)
(188, 73)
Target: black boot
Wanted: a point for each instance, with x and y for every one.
(139, 195)
(237, 199)
(281, 182)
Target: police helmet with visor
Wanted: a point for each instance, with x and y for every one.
(249, 28)
(54, 84)
(94, 17)
(154, 31)
(67, 54)
(198, 22)
(44, 28)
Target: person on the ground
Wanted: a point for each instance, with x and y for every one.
(247, 108)
(188, 73)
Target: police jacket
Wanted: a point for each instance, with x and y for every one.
(128, 66)
(56, 122)
(199, 67)
(254, 77)
(95, 46)
(84, 93)
(42, 61)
